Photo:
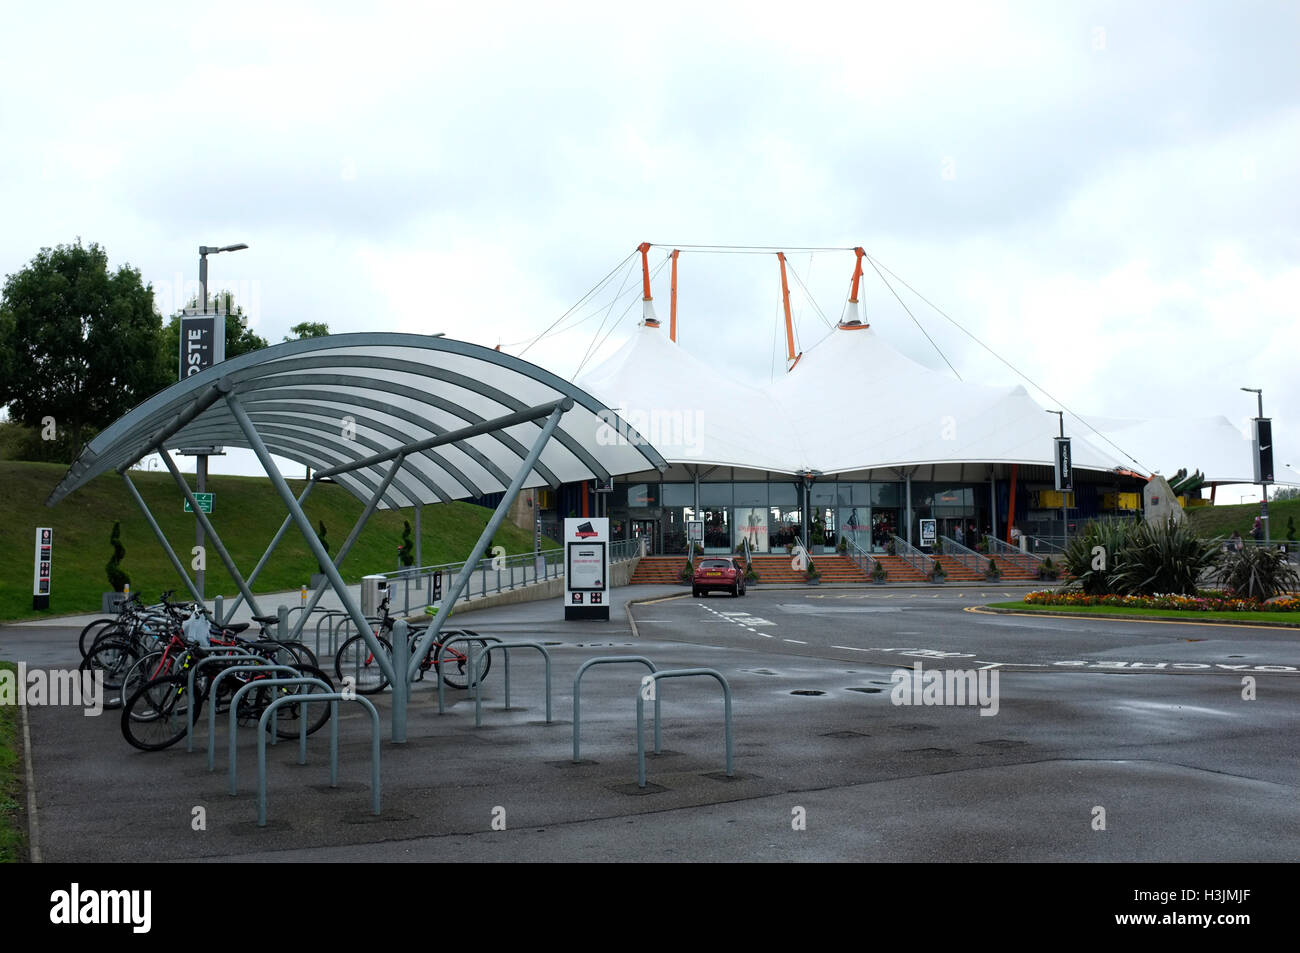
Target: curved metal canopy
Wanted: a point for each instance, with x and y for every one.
(343, 399)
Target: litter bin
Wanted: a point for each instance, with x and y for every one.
(373, 590)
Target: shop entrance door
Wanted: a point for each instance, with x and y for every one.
(645, 529)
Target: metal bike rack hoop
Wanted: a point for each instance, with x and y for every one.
(577, 693)
(640, 712)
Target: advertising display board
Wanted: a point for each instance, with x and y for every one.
(929, 532)
(41, 569)
(586, 568)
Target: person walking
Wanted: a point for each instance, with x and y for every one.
(1258, 530)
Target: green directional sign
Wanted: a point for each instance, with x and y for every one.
(205, 502)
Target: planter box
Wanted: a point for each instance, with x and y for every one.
(111, 603)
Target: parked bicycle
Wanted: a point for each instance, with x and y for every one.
(357, 662)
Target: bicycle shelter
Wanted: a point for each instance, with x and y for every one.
(397, 419)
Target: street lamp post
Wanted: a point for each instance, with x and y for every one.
(1263, 504)
(1065, 510)
(201, 460)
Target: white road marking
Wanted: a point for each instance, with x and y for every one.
(795, 641)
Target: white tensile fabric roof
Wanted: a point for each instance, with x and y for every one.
(336, 400)
(854, 403)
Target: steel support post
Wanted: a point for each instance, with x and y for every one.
(162, 541)
(309, 534)
(462, 578)
(270, 549)
(347, 543)
(210, 530)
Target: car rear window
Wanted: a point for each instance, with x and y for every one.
(715, 564)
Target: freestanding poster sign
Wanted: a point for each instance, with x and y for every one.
(929, 531)
(586, 568)
(695, 531)
(41, 571)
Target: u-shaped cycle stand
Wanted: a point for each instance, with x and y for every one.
(651, 681)
(212, 693)
(268, 683)
(333, 698)
(577, 693)
(189, 715)
(475, 680)
(465, 636)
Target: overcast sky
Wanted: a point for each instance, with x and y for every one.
(1105, 193)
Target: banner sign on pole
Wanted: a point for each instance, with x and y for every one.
(1263, 447)
(41, 570)
(1064, 464)
(203, 342)
(695, 531)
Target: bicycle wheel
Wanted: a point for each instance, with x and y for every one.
(155, 716)
(91, 632)
(453, 660)
(288, 716)
(355, 661)
(145, 669)
(114, 658)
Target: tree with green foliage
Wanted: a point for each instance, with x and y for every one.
(309, 329)
(240, 339)
(79, 344)
(117, 577)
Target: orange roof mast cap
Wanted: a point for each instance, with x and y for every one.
(648, 317)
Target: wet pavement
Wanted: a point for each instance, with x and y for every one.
(1093, 753)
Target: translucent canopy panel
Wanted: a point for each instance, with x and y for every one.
(333, 401)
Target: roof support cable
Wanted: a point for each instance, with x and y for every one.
(1018, 372)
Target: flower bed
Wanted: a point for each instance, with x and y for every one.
(1047, 597)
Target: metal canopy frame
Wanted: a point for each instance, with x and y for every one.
(421, 433)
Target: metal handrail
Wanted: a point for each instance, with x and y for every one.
(964, 556)
(912, 556)
(1054, 545)
(863, 559)
(998, 547)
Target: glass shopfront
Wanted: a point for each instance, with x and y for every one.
(770, 515)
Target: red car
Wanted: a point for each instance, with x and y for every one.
(719, 573)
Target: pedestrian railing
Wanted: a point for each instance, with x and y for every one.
(861, 558)
(1005, 550)
(956, 552)
(912, 556)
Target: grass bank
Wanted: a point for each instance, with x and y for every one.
(13, 826)
(246, 512)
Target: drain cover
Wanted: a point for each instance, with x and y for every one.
(866, 691)
(844, 734)
(806, 691)
(764, 671)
